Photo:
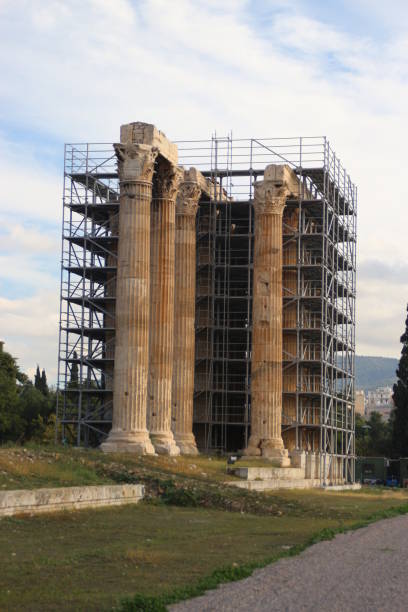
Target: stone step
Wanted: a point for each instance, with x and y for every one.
(271, 484)
(356, 486)
(269, 473)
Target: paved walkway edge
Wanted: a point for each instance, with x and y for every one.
(330, 574)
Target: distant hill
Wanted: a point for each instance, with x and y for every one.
(372, 372)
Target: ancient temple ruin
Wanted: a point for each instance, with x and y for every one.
(208, 299)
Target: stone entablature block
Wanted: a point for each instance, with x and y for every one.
(147, 134)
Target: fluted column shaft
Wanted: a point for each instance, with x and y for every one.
(109, 316)
(184, 315)
(129, 431)
(266, 365)
(162, 254)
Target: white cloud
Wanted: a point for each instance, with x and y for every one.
(26, 273)
(313, 37)
(119, 11)
(74, 70)
(19, 238)
(28, 190)
(50, 14)
(30, 330)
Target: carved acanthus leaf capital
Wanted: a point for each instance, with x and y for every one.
(135, 162)
(270, 198)
(187, 199)
(168, 182)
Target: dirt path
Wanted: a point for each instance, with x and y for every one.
(360, 571)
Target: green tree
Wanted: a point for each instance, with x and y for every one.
(373, 437)
(40, 382)
(37, 378)
(25, 409)
(361, 429)
(44, 386)
(399, 418)
(379, 436)
(34, 409)
(11, 421)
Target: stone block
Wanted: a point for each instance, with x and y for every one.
(275, 483)
(356, 486)
(268, 473)
(210, 188)
(37, 501)
(282, 175)
(298, 459)
(298, 483)
(146, 133)
(312, 465)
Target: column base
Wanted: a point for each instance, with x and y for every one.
(137, 443)
(186, 444)
(164, 444)
(272, 450)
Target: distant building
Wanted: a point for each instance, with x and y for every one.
(360, 403)
(380, 400)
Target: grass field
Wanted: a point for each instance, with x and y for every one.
(92, 559)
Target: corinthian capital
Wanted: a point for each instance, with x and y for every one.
(167, 181)
(280, 181)
(187, 199)
(135, 162)
(270, 199)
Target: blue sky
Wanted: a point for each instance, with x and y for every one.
(74, 70)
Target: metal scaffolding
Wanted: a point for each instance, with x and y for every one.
(319, 253)
(88, 277)
(319, 257)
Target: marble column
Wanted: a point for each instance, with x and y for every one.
(162, 262)
(184, 314)
(109, 314)
(266, 365)
(129, 432)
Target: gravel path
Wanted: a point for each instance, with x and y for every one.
(361, 571)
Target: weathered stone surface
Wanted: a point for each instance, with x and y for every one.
(283, 177)
(184, 311)
(356, 486)
(299, 483)
(129, 432)
(162, 269)
(268, 473)
(266, 366)
(148, 134)
(67, 498)
(305, 476)
(275, 483)
(109, 316)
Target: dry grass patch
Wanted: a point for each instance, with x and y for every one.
(29, 468)
(90, 560)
